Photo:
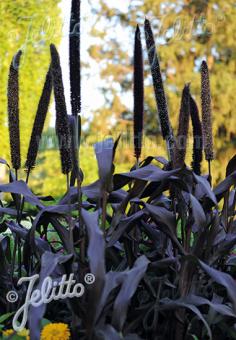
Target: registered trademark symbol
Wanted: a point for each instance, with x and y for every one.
(89, 278)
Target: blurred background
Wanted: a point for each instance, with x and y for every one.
(186, 32)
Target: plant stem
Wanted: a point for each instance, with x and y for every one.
(136, 230)
(209, 171)
(70, 217)
(81, 226)
(17, 243)
(14, 257)
(17, 206)
(19, 257)
(226, 210)
(104, 210)
(23, 199)
(183, 233)
(233, 209)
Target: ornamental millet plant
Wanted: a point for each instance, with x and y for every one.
(206, 115)
(138, 95)
(161, 269)
(13, 111)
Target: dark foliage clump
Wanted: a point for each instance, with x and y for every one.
(159, 242)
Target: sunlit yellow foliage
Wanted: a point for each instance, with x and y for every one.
(30, 26)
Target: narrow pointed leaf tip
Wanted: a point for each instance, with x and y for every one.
(138, 94)
(105, 154)
(62, 124)
(13, 111)
(206, 112)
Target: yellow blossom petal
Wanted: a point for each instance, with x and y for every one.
(8, 332)
(59, 331)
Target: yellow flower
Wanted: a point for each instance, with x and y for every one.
(8, 332)
(59, 331)
(23, 333)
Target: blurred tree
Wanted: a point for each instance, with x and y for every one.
(31, 26)
(186, 32)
